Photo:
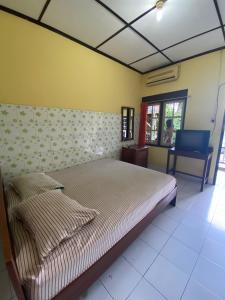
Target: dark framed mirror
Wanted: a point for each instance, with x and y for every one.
(127, 123)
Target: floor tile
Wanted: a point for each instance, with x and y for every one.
(217, 233)
(184, 200)
(214, 251)
(167, 278)
(120, 279)
(190, 186)
(5, 288)
(140, 255)
(175, 213)
(155, 237)
(210, 275)
(219, 220)
(205, 204)
(165, 223)
(220, 208)
(191, 237)
(96, 291)
(195, 291)
(180, 255)
(195, 221)
(145, 291)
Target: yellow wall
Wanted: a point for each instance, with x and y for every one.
(201, 76)
(41, 68)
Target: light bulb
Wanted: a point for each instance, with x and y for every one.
(159, 15)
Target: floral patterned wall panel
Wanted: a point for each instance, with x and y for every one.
(47, 139)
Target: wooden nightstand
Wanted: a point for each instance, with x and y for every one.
(137, 155)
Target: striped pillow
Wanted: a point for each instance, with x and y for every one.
(51, 218)
(35, 183)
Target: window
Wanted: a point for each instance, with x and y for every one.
(164, 118)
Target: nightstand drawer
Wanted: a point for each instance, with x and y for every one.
(137, 155)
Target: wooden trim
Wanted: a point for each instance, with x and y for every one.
(79, 285)
(129, 25)
(192, 37)
(219, 150)
(153, 45)
(185, 59)
(44, 9)
(166, 96)
(219, 17)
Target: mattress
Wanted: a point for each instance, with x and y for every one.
(123, 194)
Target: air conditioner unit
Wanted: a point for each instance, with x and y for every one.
(163, 76)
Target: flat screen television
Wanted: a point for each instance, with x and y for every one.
(192, 140)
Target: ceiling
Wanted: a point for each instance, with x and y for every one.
(128, 30)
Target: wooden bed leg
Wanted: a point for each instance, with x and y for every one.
(174, 201)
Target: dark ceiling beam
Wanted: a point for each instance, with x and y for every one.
(219, 17)
(112, 36)
(185, 59)
(127, 25)
(111, 11)
(44, 9)
(142, 15)
(38, 22)
(181, 42)
(148, 41)
(190, 38)
(15, 13)
(147, 56)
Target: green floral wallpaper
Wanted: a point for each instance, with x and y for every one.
(47, 139)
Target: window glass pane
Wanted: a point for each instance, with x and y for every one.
(156, 110)
(152, 126)
(178, 109)
(155, 123)
(171, 122)
(169, 109)
(154, 136)
(150, 109)
(177, 123)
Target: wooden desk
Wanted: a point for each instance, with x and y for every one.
(207, 158)
(137, 155)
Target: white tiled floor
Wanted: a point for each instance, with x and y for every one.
(181, 255)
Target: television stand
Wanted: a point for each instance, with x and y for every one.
(206, 157)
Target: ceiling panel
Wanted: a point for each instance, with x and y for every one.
(200, 44)
(181, 19)
(150, 63)
(129, 9)
(31, 8)
(85, 20)
(222, 9)
(127, 46)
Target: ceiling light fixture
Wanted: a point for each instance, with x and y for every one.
(159, 6)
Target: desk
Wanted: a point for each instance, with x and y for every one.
(207, 158)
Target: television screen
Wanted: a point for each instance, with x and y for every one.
(192, 140)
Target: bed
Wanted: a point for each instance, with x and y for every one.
(128, 197)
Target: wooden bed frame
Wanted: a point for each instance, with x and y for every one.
(80, 284)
